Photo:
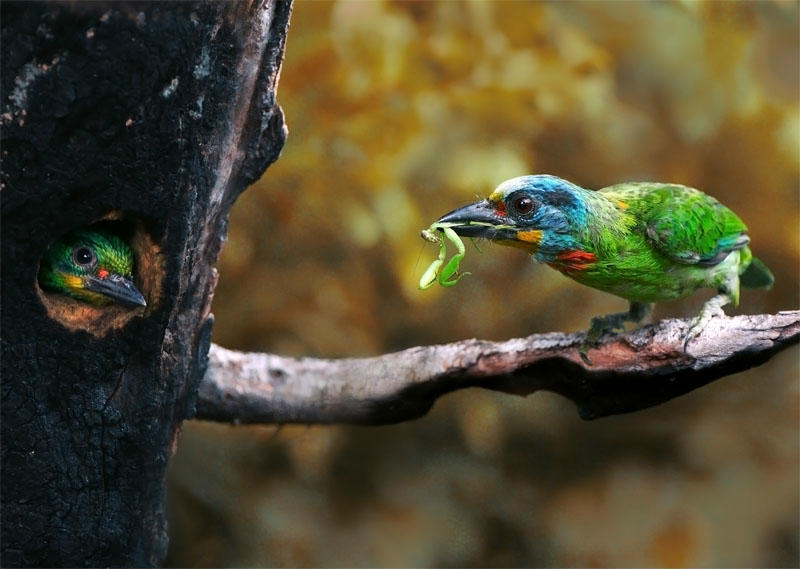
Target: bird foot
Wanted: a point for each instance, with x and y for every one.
(600, 326)
(603, 324)
(582, 351)
(711, 309)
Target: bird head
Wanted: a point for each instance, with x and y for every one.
(534, 213)
(92, 265)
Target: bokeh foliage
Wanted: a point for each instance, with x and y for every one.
(399, 112)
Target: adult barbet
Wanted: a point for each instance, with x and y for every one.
(91, 265)
(643, 241)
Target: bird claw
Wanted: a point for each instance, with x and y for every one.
(583, 353)
(600, 325)
(690, 336)
(711, 309)
(610, 323)
(695, 330)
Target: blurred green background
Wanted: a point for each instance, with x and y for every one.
(399, 112)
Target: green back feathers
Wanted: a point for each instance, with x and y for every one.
(684, 224)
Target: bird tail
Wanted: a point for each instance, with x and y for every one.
(756, 275)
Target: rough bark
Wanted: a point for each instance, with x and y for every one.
(631, 371)
(152, 117)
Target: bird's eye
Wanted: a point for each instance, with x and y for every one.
(84, 256)
(523, 205)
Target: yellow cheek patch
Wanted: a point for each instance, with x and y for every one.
(622, 205)
(71, 281)
(534, 237)
(496, 196)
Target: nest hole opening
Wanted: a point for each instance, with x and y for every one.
(148, 277)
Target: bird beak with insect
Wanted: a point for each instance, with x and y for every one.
(643, 241)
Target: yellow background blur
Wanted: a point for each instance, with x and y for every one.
(399, 112)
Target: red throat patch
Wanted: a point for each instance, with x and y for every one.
(574, 260)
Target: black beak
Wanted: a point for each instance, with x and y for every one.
(117, 288)
(479, 220)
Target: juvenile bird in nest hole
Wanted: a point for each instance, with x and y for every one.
(92, 265)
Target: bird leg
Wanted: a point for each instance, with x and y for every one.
(602, 324)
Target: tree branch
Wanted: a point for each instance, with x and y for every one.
(630, 371)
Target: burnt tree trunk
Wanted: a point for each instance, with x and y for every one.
(151, 117)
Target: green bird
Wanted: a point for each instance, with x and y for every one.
(92, 265)
(643, 241)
